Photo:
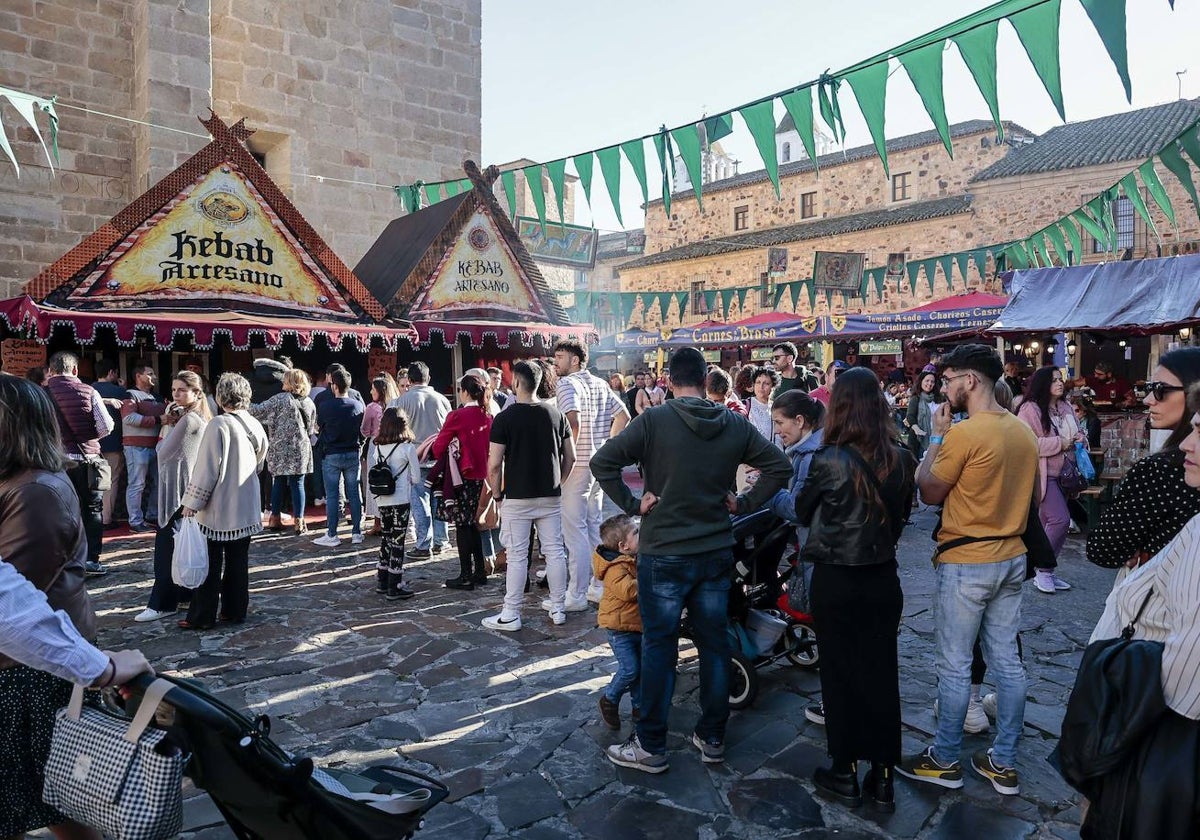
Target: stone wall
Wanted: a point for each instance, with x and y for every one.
(842, 189)
(1001, 210)
(374, 92)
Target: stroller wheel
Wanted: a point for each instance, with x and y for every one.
(743, 682)
(802, 646)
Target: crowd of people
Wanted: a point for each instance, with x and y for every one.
(540, 471)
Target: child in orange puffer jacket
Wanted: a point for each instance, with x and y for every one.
(614, 564)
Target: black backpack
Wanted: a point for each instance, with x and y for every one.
(381, 481)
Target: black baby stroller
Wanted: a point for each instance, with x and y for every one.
(265, 794)
(761, 632)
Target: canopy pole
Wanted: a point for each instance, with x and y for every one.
(1000, 348)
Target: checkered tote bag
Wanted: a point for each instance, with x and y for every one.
(106, 773)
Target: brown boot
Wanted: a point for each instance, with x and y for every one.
(610, 713)
(275, 522)
(501, 563)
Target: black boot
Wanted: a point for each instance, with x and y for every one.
(463, 581)
(839, 782)
(878, 785)
(396, 590)
(381, 581)
(480, 576)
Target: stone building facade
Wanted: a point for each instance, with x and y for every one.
(342, 96)
(988, 193)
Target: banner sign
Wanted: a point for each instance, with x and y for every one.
(893, 347)
(480, 275)
(19, 355)
(914, 322)
(380, 361)
(636, 340)
(558, 243)
(777, 261)
(218, 242)
(736, 334)
(838, 272)
(895, 264)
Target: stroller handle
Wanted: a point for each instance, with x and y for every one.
(181, 698)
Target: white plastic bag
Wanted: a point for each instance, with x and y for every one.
(189, 563)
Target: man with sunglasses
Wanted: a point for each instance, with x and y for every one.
(783, 357)
(984, 471)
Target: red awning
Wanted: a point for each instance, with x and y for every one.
(974, 300)
(505, 335)
(38, 321)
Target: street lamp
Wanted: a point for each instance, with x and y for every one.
(1072, 347)
(1185, 333)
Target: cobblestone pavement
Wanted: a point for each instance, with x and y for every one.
(510, 721)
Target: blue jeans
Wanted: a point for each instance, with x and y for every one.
(667, 584)
(141, 471)
(491, 541)
(984, 600)
(296, 483)
(627, 647)
(336, 467)
(423, 518)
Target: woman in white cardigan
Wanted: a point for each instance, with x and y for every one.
(223, 495)
(1156, 793)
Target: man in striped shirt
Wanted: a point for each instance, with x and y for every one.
(594, 414)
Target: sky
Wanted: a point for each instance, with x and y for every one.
(564, 76)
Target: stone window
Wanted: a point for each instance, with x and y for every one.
(741, 217)
(698, 306)
(808, 205)
(902, 186)
(786, 153)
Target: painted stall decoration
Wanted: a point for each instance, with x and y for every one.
(561, 244)
(218, 239)
(18, 356)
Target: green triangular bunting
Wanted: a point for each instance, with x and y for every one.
(556, 170)
(741, 296)
(1060, 245)
(799, 105)
(1072, 232)
(1037, 27)
(1178, 167)
(635, 153)
(583, 167)
(682, 298)
(964, 260)
(662, 147)
(688, 142)
(812, 295)
(924, 68)
(947, 264)
(1094, 228)
(978, 50)
(913, 269)
(610, 167)
(870, 89)
(760, 119)
(726, 301)
(508, 180)
(453, 188)
(1129, 186)
(710, 302)
(533, 180)
(433, 194)
(1108, 16)
(1158, 192)
(980, 259)
(831, 110)
(717, 127)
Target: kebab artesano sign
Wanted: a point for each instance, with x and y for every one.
(218, 240)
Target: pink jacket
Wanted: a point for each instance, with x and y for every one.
(1062, 427)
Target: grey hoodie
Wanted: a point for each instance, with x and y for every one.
(689, 449)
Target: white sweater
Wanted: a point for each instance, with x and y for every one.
(400, 456)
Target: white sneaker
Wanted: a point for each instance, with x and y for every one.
(558, 617)
(1060, 585)
(356, 539)
(153, 615)
(572, 604)
(498, 622)
(595, 592)
(319, 502)
(976, 720)
(1044, 581)
(989, 705)
(327, 541)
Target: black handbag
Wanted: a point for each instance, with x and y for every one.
(1071, 480)
(1116, 701)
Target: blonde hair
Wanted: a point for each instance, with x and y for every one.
(614, 530)
(195, 384)
(297, 382)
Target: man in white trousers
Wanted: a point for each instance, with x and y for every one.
(595, 413)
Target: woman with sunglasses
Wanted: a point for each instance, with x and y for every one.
(1154, 502)
(1053, 423)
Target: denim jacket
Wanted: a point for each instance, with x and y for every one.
(783, 504)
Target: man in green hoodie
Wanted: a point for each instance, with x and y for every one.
(689, 449)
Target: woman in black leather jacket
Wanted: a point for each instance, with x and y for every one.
(855, 502)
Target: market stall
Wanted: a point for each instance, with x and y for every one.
(213, 264)
(458, 271)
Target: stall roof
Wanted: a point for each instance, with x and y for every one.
(1137, 297)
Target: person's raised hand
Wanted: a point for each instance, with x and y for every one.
(731, 503)
(128, 664)
(943, 419)
(649, 500)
